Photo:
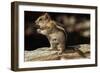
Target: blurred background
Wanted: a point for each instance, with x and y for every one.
(77, 27)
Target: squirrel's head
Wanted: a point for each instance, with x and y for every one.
(42, 20)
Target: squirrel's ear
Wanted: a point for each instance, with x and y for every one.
(47, 16)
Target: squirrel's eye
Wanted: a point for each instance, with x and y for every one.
(40, 19)
(54, 39)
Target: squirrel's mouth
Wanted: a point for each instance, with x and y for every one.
(36, 26)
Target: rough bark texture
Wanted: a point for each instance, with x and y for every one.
(45, 54)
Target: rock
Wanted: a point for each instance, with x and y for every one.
(45, 54)
(85, 48)
(41, 54)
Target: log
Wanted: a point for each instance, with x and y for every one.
(45, 54)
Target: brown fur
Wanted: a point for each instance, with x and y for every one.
(52, 31)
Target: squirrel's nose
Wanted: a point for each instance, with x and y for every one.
(36, 22)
